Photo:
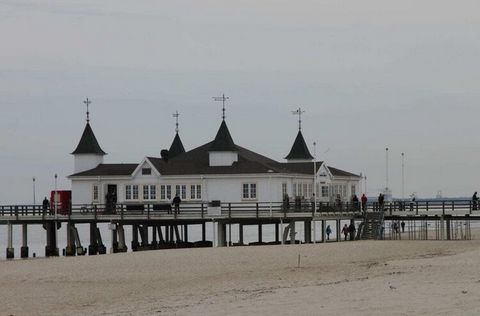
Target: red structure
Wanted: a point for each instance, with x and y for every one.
(63, 200)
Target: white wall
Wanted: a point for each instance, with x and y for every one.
(83, 162)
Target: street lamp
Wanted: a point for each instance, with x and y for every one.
(33, 179)
(314, 190)
(56, 212)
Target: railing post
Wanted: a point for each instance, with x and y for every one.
(202, 210)
(229, 210)
(257, 209)
(95, 211)
(148, 211)
(16, 212)
(443, 207)
(121, 211)
(427, 204)
(416, 207)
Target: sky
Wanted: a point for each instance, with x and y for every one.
(369, 74)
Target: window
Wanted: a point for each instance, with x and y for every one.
(305, 189)
(249, 191)
(310, 190)
(344, 190)
(95, 193)
(149, 192)
(324, 191)
(195, 192)
(295, 189)
(177, 190)
(183, 192)
(146, 171)
(353, 190)
(131, 192)
(284, 189)
(165, 192)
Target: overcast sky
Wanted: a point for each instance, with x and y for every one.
(369, 74)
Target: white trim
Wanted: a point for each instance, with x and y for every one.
(140, 166)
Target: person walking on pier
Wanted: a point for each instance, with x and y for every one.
(355, 202)
(176, 203)
(381, 201)
(364, 202)
(345, 231)
(328, 231)
(403, 226)
(475, 202)
(45, 204)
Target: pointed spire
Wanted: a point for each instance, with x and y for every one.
(176, 148)
(299, 149)
(88, 143)
(223, 141)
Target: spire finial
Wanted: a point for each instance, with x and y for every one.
(176, 115)
(87, 103)
(223, 98)
(299, 112)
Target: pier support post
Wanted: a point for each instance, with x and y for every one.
(24, 249)
(292, 232)
(277, 233)
(122, 247)
(204, 234)
(93, 247)
(339, 231)
(160, 235)
(282, 232)
(154, 243)
(307, 231)
(449, 235)
(260, 233)
(10, 250)
(51, 249)
(114, 247)
(71, 248)
(135, 243)
(101, 247)
(185, 233)
(324, 225)
(240, 234)
(222, 228)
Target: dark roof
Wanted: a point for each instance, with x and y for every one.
(299, 149)
(123, 169)
(223, 141)
(341, 173)
(88, 143)
(176, 148)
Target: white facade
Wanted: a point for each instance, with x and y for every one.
(83, 162)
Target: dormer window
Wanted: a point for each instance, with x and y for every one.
(146, 171)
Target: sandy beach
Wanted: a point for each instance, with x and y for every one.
(364, 277)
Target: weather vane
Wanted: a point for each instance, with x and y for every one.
(223, 98)
(299, 112)
(176, 115)
(87, 103)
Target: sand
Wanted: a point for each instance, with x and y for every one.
(361, 277)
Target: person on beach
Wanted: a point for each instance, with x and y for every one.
(403, 226)
(364, 202)
(345, 231)
(352, 230)
(475, 201)
(45, 204)
(328, 231)
(176, 203)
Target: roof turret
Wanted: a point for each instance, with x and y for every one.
(88, 143)
(176, 148)
(299, 149)
(223, 141)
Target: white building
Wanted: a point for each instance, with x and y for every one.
(219, 170)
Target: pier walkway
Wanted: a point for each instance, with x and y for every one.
(445, 217)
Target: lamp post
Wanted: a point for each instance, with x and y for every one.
(403, 176)
(33, 179)
(314, 190)
(56, 212)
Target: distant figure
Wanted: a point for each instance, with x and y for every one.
(381, 201)
(108, 202)
(286, 202)
(328, 231)
(176, 203)
(412, 202)
(345, 231)
(364, 202)
(45, 204)
(403, 226)
(475, 202)
(351, 230)
(355, 202)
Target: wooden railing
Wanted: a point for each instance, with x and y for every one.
(244, 209)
